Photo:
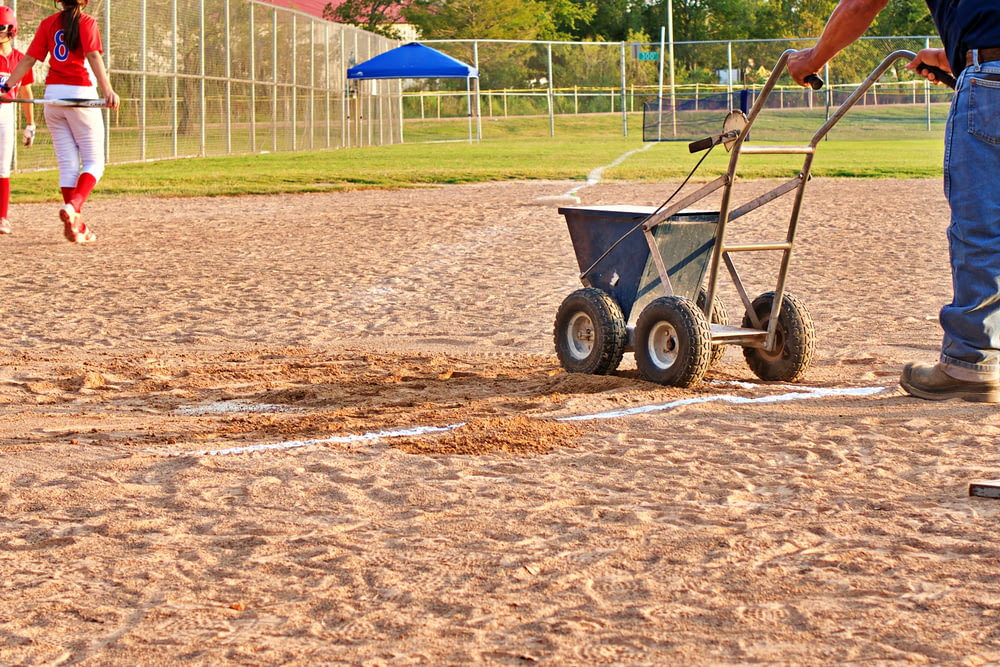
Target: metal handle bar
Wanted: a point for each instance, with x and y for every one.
(779, 69)
(859, 92)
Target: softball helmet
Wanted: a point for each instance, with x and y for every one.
(8, 20)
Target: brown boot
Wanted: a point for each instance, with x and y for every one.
(931, 382)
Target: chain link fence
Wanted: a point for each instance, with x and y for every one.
(217, 77)
(562, 79)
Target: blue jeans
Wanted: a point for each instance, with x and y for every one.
(970, 349)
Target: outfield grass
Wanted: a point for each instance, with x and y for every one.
(883, 143)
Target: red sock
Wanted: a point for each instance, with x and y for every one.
(4, 197)
(84, 186)
(67, 194)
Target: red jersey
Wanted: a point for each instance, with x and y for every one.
(65, 66)
(7, 64)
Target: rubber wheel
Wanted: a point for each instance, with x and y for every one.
(590, 333)
(794, 345)
(719, 316)
(673, 342)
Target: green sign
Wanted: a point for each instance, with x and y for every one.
(649, 55)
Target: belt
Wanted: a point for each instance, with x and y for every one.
(985, 56)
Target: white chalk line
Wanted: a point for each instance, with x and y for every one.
(798, 395)
(233, 406)
(595, 176)
(294, 444)
(778, 398)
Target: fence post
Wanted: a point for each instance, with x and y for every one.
(312, 88)
(142, 81)
(174, 106)
(479, 110)
(729, 69)
(253, 79)
(624, 106)
(229, 78)
(201, 78)
(328, 86)
(107, 66)
(552, 117)
(274, 80)
(927, 92)
(293, 115)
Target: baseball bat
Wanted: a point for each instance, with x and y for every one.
(71, 102)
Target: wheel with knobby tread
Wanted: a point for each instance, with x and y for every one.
(673, 342)
(590, 333)
(795, 341)
(719, 316)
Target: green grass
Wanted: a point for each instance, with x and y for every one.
(884, 142)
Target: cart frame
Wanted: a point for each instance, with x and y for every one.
(676, 337)
(721, 253)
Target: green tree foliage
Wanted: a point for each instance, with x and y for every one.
(377, 16)
(568, 17)
(613, 20)
(480, 19)
(905, 17)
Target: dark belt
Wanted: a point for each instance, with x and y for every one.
(985, 56)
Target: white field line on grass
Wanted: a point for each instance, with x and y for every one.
(593, 178)
(798, 395)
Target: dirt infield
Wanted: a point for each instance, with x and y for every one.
(394, 481)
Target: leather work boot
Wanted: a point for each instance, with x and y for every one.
(931, 382)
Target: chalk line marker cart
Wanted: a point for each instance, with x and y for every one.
(655, 294)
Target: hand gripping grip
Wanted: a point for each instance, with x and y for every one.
(814, 81)
(939, 74)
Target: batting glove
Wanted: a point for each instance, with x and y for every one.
(29, 135)
(4, 88)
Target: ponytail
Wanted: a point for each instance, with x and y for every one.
(71, 12)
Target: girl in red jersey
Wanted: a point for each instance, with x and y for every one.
(9, 58)
(72, 42)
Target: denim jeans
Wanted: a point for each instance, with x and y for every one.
(970, 349)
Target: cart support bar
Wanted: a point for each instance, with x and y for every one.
(750, 247)
(702, 192)
(766, 198)
(777, 150)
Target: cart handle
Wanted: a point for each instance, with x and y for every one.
(859, 92)
(939, 74)
(814, 81)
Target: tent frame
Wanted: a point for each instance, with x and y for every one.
(418, 61)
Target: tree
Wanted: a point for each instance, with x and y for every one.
(908, 17)
(480, 19)
(377, 16)
(568, 17)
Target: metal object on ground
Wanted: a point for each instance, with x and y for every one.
(985, 489)
(661, 267)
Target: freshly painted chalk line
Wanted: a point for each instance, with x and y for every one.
(593, 178)
(293, 444)
(792, 396)
(799, 394)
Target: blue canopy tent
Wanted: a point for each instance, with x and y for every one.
(416, 61)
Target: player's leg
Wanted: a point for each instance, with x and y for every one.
(68, 161)
(6, 160)
(87, 126)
